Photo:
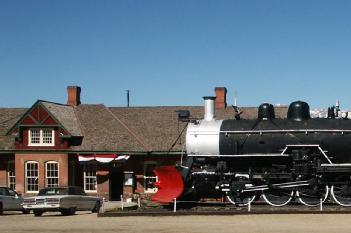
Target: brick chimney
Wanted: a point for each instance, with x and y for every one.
(73, 95)
(221, 97)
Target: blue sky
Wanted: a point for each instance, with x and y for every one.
(174, 52)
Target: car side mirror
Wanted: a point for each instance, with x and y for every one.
(18, 195)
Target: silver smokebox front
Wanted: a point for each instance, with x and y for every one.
(202, 137)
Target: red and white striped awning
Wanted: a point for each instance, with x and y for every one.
(102, 158)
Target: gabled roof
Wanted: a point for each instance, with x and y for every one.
(60, 113)
(65, 114)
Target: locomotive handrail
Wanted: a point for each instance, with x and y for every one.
(271, 131)
(240, 155)
(287, 131)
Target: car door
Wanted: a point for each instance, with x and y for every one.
(4, 198)
(8, 201)
(87, 201)
(83, 199)
(74, 198)
(15, 199)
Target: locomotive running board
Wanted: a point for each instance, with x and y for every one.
(170, 184)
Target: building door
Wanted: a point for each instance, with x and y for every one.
(116, 183)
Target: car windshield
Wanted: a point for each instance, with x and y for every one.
(53, 191)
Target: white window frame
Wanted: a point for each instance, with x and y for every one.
(90, 177)
(129, 179)
(26, 177)
(41, 132)
(11, 184)
(47, 177)
(149, 190)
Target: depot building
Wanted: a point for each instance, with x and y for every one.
(109, 151)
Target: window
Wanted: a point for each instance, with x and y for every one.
(34, 136)
(52, 174)
(11, 177)
(128, 178)
(32, 176)
(149, 177)
(41, 137)
(90, 184)
(47, 136)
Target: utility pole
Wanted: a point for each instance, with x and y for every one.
(128, 91)
(235, 98)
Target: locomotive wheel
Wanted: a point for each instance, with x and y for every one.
(341, 194)
(277, 197)
(312, 196)
(242, 199)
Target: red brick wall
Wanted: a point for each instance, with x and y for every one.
(135, 164)
(20, 160)
(3, 175)
(103, 184)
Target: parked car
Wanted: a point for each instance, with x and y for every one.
(63, 199)
(10, 200)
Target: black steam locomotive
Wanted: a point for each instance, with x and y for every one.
(278, 160)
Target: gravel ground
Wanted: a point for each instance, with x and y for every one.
(87, 222)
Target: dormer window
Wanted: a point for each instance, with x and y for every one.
(41, 137)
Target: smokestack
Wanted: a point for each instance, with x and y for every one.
(221, 97)
(73, 95)
(209, 108)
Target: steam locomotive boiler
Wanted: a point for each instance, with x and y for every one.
(278, 160)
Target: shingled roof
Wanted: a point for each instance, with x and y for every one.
(66, 115)
(160, 129)
(121, 129)
(8, 117)
(103, 131)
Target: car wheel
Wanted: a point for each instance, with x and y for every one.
(1, 209)
(96, 207)
(24, 211)
(70, 211)
(38, 213)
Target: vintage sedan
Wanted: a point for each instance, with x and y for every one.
(63, 199)
(10, 200)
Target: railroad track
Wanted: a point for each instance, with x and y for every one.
(228, 209)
